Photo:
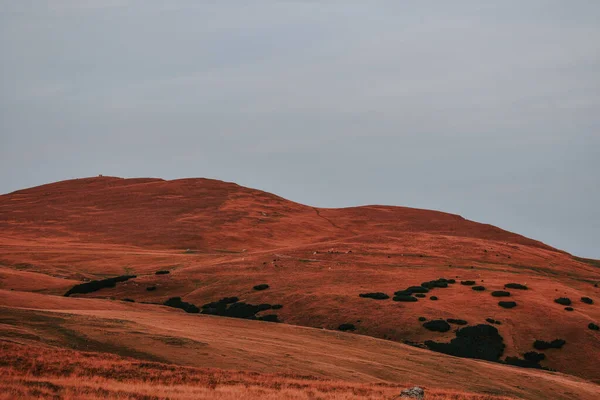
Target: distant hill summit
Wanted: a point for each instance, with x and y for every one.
(199, 213)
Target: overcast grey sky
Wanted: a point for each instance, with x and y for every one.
(488, 109)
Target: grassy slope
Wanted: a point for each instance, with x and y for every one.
(316, 261)
(161, 335)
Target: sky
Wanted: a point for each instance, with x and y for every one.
(487, 109)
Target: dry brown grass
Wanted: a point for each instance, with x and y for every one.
(55, 236)
(37, 372)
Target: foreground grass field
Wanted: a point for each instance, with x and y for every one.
(124, 345)
(48, 373)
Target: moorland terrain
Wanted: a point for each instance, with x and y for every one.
(197, 288)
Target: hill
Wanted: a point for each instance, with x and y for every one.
(219, 240)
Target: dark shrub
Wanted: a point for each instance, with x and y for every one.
(129, 300)
(516, 286)
(534, 356)
(417, 289)
(262, 286)
(346, 327)
(543, 345)
(507, 304)
(480, 341)
(176, 302)
(593, 326)
(411, 290)
(405, 298)
(518, 362)
(93, 286)
(214, 308)
(420, 295)
(438, 325)
(276, 306)
(467, 283)
(433, 298)
(587, 300)
(375, 295)
(422, 319)
(568, 308)
(478, 288)
(229, 300)
(457, 321)
(437, 283)
(451, 280)
(500, 293)
(264, 307)
(565, 301)
(493, 321)
(151, 288)
(242, 310)
(162, 272)
(269, 318)
(231, 307)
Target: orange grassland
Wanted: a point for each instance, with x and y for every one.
(219, 239)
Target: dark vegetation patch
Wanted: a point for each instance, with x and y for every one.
(534, 356)
(269, 318)
(457, 321)
(411, 290)
(417, 289)
(593, 326)
(93, 286)
(420, 295)
(435, 284)
(151, 288)
(500, 293)
(438, 283)
(262, 286)
(422, 319)
(530, 359)
(507, 304)
(587, 300)
(276, 306)
(433, 298)
(176, 302)
(568, 308)
(162, 272)
(493, 321)
(478, 288)
(565, 301)
(129, 300)
(437, 325)
(481, 341)
(467, 283)
(346, 327)
(375, 295)
(405, 298)
(516, 286)
(233, 308)
(543, 345)
(240, 310)
(229, 300)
